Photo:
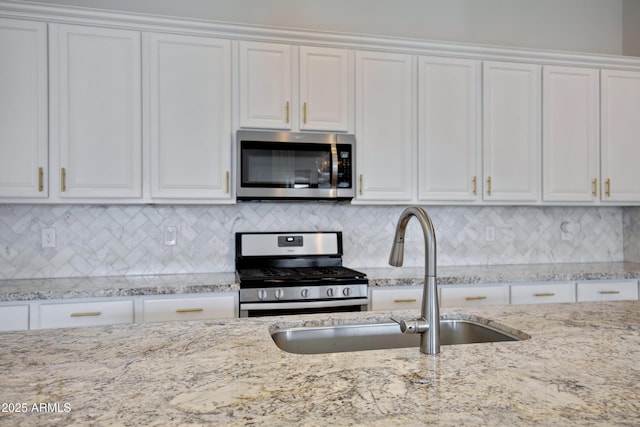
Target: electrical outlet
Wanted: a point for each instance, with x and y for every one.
(490, 233)
(48, 237)
(170, 236)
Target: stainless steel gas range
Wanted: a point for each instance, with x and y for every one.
(296, 273)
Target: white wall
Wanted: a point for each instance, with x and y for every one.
(593, 26)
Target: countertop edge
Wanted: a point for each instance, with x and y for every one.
(25, 290)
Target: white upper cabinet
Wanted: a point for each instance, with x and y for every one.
(188, 99)
(385, 126)
(511, 131)
(95, 76)
(570, 134)
(23, 109)
(285, 87)
(326, 85)
(449, 129)
(265, 85)
(620, 150)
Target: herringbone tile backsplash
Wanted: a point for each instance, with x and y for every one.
(129, 240)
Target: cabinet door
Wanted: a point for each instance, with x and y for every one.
(385, 131)
(511, 119)
(326, 88)
(14, 317)
(195, 307)
(80, 314)
(466, 296)
(610, 290)
(620, 123)
(570, 134)
(265, 85)
(96, 95)
(189, 104)
(448, 129)
(23, 109)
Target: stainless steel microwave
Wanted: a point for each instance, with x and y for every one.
(294, 165)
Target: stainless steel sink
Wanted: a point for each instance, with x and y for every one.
(383, 334)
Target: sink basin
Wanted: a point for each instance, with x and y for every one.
(386, 334)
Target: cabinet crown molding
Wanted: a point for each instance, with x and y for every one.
(147, 22)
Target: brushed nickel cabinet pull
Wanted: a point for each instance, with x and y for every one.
(594, 184)
(475, 185)
(405, 300)
(304, 113)
(608, 187)
(227, 183)
(40, 179)
(286, 111)
(63, 180)
(361, 181)
(544, 294)
(609, 292)
(488, 186)
(190, 310)
(476, 298)
(87, 314)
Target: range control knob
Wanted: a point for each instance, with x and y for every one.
(279, 293)
(304, 293)
(331, 292)
(262, 294)
(346, 292)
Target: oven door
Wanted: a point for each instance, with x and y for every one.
(302, 307)
(281, 165)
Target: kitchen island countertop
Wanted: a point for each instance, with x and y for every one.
(580, 367)
(126, 286)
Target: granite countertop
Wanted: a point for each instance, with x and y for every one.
(124, 286)
(580, 367)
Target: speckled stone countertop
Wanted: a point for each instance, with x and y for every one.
(580, 367)
(119, 286)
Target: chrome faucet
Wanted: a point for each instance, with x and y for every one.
(428, 325)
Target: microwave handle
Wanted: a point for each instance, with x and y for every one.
(334, 165)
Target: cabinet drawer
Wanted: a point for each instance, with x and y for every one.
(542, 293)
(71, 315)
(465, 296)
(607, 290)
(14, 317)
(396, 298)
(190, 308)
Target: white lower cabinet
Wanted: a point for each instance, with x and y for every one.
(396, 298)
(14, 317)
(475, 295)
(542, 293)
(608, 290)
(84, 313)
(223, 305)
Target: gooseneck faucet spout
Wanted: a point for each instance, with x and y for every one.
(428, 325)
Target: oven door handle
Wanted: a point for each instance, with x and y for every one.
(302, 304)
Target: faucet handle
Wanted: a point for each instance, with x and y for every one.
(412, 326)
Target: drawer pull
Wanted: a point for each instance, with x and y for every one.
(609, 292)
(87, 314)
(190, 310)
(476, 298)
(544, 294)
(405, 300)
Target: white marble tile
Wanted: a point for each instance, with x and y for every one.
(128, 240)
